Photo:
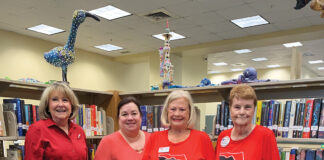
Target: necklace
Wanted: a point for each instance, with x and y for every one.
(136, 143)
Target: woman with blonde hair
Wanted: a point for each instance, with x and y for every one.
(55, 136)
(180, 141)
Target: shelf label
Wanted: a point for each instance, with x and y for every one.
(314, 128)
(306, 129)
(221, 128)
(230, 126)
(321, 128)
(161, 129)
(144, 128)
(217, 126)
(295, 128)
(155, 129)
(275, 127)
(149, 130)
(270, 127)
(300, 128)
(280, 129)
(285, 129)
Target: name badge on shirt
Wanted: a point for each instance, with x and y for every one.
(225, 141)
(164, 149)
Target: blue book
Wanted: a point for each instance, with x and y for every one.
(270, 113)
(17, 107)
(144, 118)
(286, 119)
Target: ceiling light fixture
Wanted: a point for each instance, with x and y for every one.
(175, 36)
(220, 64)
(250, 21)
(45, 29)
(110, 12)
(316, 62)
(213, 72)
(236, 69)
(260, 59)
(241, 51)
(273, 66)
(293, 44)
(109, 47)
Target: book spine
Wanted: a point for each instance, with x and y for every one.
(286, 121)
(19, 118)
(150, 119)
(296, 118)
(281, 119)
(270, 115)
(301, 120)
(217, 120)
(315, 118)
(258, 112)
(308, 118)
(321, 122)
(144, 118)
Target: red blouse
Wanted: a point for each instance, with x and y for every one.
(45, 140)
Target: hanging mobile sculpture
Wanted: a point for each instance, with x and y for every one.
(64, 56)
(166, 68)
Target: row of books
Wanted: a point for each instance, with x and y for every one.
(305, 154)
(297, 118)
(91, 118)
(26, 114)
(151, 118)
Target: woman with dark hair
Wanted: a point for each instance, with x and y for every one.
(128, 142)
(55, 136)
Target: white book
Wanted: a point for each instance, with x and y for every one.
(292, 117)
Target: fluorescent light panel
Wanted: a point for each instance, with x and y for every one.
(109, 47)
(236, 69)
(45, 29)
(260, 59)
(175, 36)
(293, 44)
(241, 51)
(249, 21)
(220, 64)
(320, 68)
(110, 12)
(213, 72)
(316, 62)
(273, 66)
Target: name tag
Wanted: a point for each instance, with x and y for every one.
(164, 149)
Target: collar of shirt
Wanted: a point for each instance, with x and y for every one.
(49, 122)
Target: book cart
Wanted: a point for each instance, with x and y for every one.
(290, 89)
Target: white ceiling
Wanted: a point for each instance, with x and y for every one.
(202, 21)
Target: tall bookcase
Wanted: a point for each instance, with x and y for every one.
(33, 91)
(291, 89)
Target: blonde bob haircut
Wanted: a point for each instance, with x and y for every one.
(243, 91)
(62, 88)
(173, 96)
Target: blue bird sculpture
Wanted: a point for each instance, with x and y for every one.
(64, 56)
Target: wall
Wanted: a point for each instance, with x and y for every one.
(22, 56)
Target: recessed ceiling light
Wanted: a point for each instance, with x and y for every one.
(249, 21)
(320, 68)
(293, 44)
(220, 64)
(175, 36)
(241, 51)
(260, 59)
(316, 61)
(236, 69)
(109, 47)
(110, 12)
(273, 66)
(213, 72)
(45, 29)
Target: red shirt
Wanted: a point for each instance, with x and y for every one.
(197, 146)
(114, 146)
(259, 145)
(45, 140)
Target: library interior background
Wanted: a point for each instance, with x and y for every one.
(204, 46)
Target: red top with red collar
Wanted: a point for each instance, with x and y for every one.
(45, 140)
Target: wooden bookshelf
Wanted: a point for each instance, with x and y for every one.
(19, 89)
(302, 88)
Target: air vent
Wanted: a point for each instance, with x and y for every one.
(158, 15)
(238, 64)
(125, 52)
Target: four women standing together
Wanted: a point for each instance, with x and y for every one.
(56, 137)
